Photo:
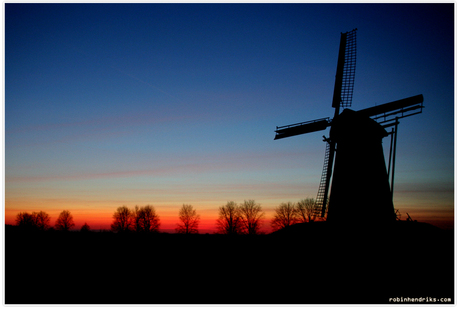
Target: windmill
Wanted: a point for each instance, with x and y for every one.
(360, 178)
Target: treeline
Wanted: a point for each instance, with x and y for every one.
(233, 218)
(41, 221)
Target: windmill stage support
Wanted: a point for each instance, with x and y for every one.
(394, 157)
(391, 151)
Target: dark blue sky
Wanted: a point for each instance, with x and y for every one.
(180, 101)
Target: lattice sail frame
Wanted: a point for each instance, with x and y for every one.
(349, 70)
(345, 80)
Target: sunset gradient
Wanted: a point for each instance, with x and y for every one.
(169, 104)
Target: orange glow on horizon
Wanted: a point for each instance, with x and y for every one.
(101, 218)
(98, 215)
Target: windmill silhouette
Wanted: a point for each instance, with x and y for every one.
(360, 178)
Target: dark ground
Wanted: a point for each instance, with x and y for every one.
(304, 264)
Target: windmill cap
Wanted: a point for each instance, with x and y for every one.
(351, 126)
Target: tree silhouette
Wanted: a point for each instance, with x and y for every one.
(229, 221)
(285, 215)
(189, 220)
(65, 221)
(25, 220)
(136, 216)
(122, 220)
(42, 220)
(306, 210)
(35, 221)
(146, 219)
(251, 217)
(85, 228)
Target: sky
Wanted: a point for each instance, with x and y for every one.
(168, 104)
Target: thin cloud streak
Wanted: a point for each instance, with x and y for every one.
(230, 163)
(111, 122)
(146, 83)
(120, 174)
(409, 188)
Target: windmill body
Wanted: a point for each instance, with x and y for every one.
(360, 187)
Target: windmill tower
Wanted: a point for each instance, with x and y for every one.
(360, 187)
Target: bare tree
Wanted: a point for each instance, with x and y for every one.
(25, 220)
(251, 217)
(306, 210)
(146, 219)
(65, 221)
(85, 228)
(136, 216)
(122, 220)
(229, 221)
(42, 220)
(37, 220)
(285, 215)
(189, 220)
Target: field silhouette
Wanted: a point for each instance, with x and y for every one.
(307, 263)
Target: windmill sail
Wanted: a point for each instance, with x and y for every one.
(389, 111)
(349, 69)
(343, 94)
(321, 197)
(302, 128)
(345, 75)
(323, 191)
